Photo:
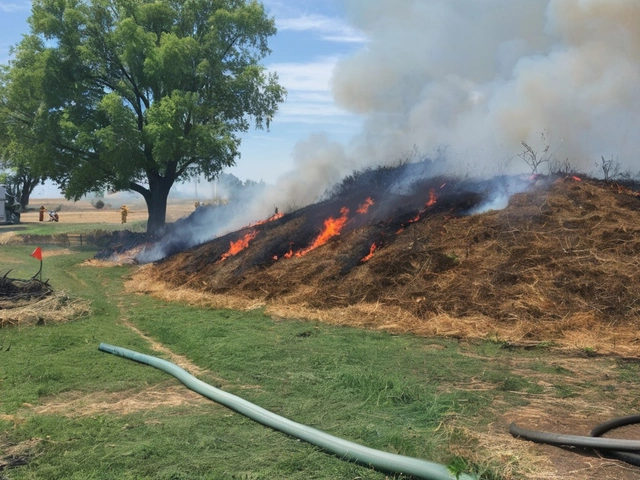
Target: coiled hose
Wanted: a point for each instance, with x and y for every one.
(599, 430)
(344, 449)
(620, 449)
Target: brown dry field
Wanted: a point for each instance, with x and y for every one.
(83, 212)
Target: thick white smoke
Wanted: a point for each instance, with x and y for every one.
(481, 76)
(318, 164)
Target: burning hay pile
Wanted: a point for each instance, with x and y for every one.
(31, 302)
(561, 260)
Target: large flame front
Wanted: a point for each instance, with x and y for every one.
(238, 245)
(332, 227)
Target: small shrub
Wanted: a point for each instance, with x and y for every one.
(99, 204)
(557, 167)
(611, 169)
(533, 158)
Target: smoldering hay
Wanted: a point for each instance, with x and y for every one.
(474, 79)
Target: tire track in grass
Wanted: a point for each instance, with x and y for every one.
(178, 359)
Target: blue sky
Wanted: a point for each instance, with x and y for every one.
(312, 36)
(474, 79)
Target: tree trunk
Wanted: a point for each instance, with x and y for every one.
(28, 184)
(24, 198)
(156, 199)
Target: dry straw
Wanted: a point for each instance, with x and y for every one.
(57, 307)
(560, 264)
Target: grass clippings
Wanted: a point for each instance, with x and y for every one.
(77, 404)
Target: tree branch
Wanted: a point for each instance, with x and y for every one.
(187, 124)
(136, 90)
(22, 117)
(180, 171)
(87, 157)
(135, 103)
(230, 46)
(139, 189)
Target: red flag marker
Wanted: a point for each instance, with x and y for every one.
(37, 253)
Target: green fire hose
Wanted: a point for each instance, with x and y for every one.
(346, 450)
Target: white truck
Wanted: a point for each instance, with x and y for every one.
(8, 211)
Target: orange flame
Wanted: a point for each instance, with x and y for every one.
(371, 250)
(577, 179)
(416, 218)
(431, 202)
(238, 245)
(273, 217)
(432, 199)
(332, 227)
(364, 208)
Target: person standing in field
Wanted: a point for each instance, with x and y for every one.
(42, 210)
(123, 213)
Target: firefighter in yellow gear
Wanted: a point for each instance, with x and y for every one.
(124, 211)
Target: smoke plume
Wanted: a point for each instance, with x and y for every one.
(483, 76)
(475, 79)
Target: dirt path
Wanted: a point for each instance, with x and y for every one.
(180, 360)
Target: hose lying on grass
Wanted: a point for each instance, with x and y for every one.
(620, 449)
(599, 430)
(344, 449)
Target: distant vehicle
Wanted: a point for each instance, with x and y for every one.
(9, 210)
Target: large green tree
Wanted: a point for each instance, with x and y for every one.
(22, 151)
(139, 94)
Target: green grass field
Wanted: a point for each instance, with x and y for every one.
(398, 393)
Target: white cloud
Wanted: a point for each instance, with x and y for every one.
(344, 38)
(330, 29)
(10, 7)
(309, 98)
(314, 113)
(314, 76)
